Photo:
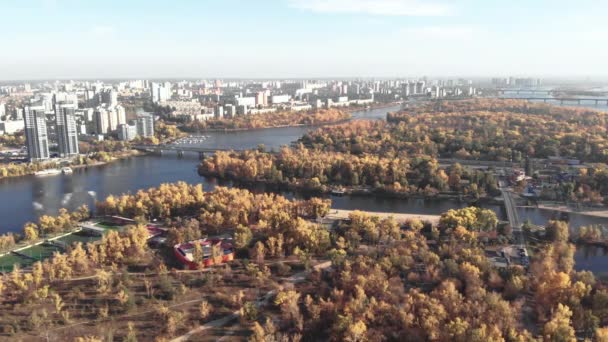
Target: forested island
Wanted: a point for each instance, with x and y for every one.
(509, 131)
(313, 170)
(480, 129)
(400, 156)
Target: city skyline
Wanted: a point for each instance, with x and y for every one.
(300, 39)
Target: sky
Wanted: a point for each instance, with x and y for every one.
(49, 39)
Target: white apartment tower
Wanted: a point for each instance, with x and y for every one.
(35, 133)
(145, 125)
(67, 134)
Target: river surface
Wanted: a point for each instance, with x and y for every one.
(592, 258)
(24, 199)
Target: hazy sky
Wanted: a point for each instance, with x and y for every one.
(301, 38)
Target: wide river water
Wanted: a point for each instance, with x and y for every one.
(24, 199)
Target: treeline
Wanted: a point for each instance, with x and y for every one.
(321, 171)
(408, 288)
(229, 206)
(276, 119)
(499, 130)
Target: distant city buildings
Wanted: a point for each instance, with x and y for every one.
(59, 112)
(515, 82)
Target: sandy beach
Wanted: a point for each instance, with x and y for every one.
(401, 217)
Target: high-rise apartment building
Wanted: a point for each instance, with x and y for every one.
(161, 92)
(121, 115)
(66, 130)
(36, 133)
(109, 97)
(127, 132)
(145, 125)
(102, 121)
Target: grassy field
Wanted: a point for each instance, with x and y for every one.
(7, 262)
(78, 237)
(40, 252)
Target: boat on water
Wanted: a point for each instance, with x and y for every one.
(47, 172)
(67, 170)
(338, 192)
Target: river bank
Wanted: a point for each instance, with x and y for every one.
(55, 165)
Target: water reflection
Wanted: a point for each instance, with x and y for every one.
(592, 258)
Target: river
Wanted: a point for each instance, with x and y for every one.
(24, 199)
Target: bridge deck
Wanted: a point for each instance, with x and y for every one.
(178, 148)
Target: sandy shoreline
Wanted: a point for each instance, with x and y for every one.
(401, 217)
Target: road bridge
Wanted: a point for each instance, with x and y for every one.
(181, 149)
(561, 100)
(513, 217)
(523, 90)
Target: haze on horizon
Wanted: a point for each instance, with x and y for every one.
(45, 39)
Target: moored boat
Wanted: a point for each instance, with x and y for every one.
(47, 172)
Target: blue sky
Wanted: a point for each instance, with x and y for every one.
(301, 38)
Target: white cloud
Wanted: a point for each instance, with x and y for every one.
(439, 32)
(375, 7)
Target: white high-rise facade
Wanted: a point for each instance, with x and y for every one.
(145, 125)
(161, 92)
(121, 114)
(102, 121)
(36, 133)
(66, 130)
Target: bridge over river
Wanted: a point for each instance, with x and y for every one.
(180, 149)
(561, 100)
(513, 217)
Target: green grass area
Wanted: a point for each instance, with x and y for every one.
(78, 237)
(109, 226)
(40, 252)
(8, 261)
